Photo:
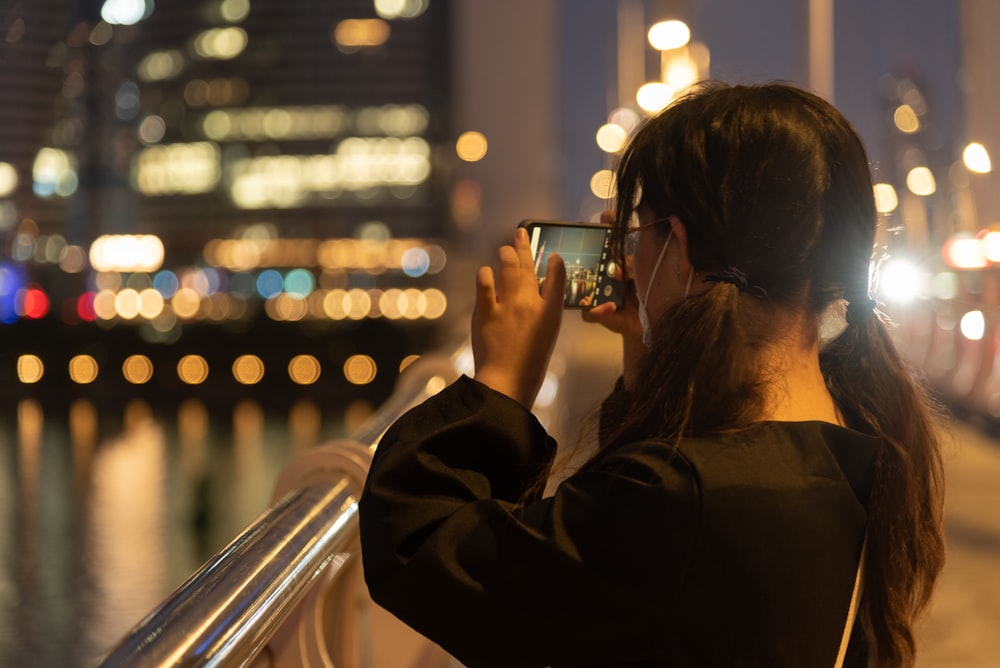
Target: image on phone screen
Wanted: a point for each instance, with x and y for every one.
(585, 249)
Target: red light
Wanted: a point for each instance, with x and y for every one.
(85, 307)
(34, 303)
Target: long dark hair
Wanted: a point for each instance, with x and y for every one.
(774, 181)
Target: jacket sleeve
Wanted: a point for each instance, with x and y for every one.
(451, 547)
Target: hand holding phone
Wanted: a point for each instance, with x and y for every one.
(514, 326)
(585, 249)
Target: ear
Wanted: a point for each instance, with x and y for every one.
(684, 268)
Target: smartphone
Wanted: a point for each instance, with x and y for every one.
(586, 250)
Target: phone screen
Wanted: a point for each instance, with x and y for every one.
(585, 249)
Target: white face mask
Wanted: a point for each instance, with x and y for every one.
(647, 327)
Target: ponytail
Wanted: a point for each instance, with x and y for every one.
(703, 376)
(872, 385)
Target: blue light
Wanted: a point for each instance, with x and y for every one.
(12, 282)
(415, 262)
(213, 279)
(299, 283)
(269, 283)
(166, 283)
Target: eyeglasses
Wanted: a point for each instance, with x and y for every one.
(632, 234)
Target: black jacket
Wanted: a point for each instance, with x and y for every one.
(737, 550)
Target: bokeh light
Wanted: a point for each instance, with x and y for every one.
(415, 262)
(666, 35)
(471, 146)
(654, 96)
(8, 179)
(125, 12)
(355, 33)
(964, 252)
(360, 369)
(33, 303)
(299, 283)
(83, 369)
(185, 303)
(602, 184)
(977, 158)
(886, 200)
(400, 9)
(248, 369)
(30, 369)
(137, 369)
(192, 369)
(920, 181)
(898, 280)
(973, 325)
(304, 369)
(126, 252)
(611, 137)
(905, 119)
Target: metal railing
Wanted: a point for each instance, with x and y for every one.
(252, 591)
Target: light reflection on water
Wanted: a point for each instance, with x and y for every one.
(102, 514)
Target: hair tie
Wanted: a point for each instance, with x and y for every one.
(736, 277)
(859, 309)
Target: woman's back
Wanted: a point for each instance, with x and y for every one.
(735, 550)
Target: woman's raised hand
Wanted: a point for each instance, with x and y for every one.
(514, 328)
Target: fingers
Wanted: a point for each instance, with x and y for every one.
(554, 289)
(486, 297)
(508, 274)
(523, 247)
(599, 312)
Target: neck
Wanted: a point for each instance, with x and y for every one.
(798, 391)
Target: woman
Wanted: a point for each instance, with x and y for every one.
(745, 471)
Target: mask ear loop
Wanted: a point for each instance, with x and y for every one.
(663, 252)
(687, 290)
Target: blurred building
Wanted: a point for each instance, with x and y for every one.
(253, 187)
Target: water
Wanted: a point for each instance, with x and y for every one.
(104, 511)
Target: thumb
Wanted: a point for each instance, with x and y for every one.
(554, 289)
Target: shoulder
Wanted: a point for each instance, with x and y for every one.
(782, 458)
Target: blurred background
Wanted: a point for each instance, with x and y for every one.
(228, 225)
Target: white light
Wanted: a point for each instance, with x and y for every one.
(126, 252)
(400, 9)
(973, 325)
(920, 181)
(358, 164)
(964, 253)
(126, 12)
(885, 198)
(898, 281)
(976, 158)
(234, 11)
(160, 65)
(8, 179)
(611, 137)
(54, 173)
(221, 43)
(654, 96)
(189, 168)
(669, 35)
(603, 185)
(991, 246)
